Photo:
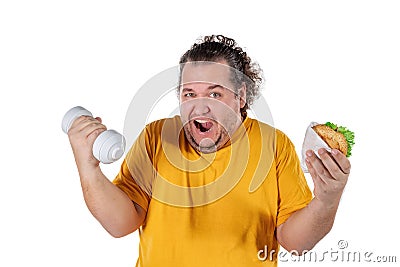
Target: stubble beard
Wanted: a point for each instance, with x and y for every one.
(207, 145)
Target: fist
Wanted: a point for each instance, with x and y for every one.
(82, 134)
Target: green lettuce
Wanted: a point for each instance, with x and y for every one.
(349, 135)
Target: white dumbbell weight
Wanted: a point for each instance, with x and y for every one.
(108, 147)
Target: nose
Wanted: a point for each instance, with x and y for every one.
(201, 106)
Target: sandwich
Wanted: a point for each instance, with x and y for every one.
(336, 137)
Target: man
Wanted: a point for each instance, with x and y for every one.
(212, 187)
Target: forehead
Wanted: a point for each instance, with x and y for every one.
(207, 72)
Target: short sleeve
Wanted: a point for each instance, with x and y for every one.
(294, 193)
(136, 173)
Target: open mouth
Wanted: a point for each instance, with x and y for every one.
(203, 125)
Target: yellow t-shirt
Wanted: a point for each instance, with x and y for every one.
(217, 209)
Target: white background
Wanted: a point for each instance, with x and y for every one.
(323, 60)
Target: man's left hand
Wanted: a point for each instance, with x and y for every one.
(330, 172)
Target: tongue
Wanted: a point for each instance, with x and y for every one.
(205, 126)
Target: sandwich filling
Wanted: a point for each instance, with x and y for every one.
(337, 137)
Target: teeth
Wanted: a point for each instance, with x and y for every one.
(201, 121)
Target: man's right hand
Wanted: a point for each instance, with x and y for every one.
(118, 214)
(82, 134)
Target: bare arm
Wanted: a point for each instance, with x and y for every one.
(108, 204)
(306, 227)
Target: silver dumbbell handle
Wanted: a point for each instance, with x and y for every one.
(108, 147)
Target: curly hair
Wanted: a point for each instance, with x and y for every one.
(218, 47)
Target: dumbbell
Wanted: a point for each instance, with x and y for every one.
(108, 147)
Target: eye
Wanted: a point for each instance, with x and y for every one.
(188, 95)
(215, 95)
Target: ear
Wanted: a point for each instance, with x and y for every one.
(242, 95)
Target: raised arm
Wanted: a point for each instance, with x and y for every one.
(108, 204)
(306, 227)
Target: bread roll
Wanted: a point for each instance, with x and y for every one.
(333, 138)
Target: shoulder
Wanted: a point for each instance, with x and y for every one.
(280, 141)
(157, 126)
(267, 130)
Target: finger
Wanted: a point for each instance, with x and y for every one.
(80, 122)
(93, 129)
(85, 122)
(91, 137)
(318, 166)
(342, 161)
(314, 175)
(99, 119)
(330, 164)
(88, 129)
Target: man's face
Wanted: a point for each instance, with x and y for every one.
(209, 106)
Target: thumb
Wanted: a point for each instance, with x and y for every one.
(99, 119)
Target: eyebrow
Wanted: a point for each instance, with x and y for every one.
(185, 89)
